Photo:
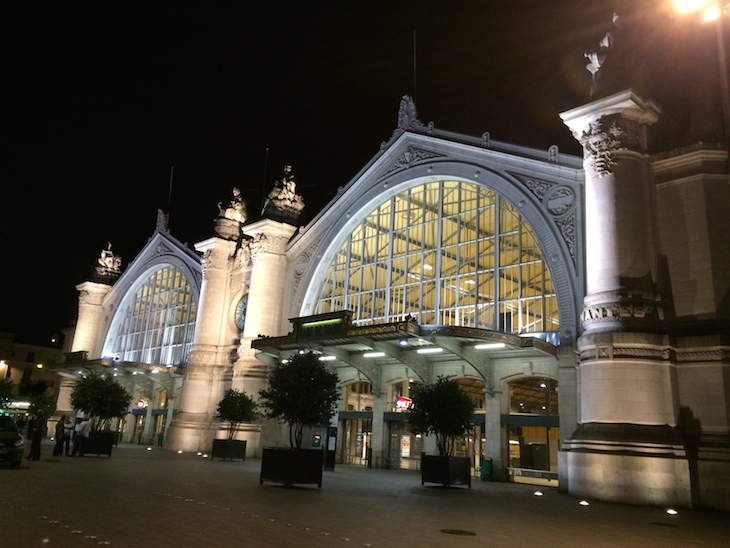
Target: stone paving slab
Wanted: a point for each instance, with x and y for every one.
(159, 498)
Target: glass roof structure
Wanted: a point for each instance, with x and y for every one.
(444, 253)
(156, 321)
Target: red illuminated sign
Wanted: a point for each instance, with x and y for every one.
(402, 403)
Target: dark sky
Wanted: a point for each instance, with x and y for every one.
(100, 102)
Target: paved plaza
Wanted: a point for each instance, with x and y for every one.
(145, 498)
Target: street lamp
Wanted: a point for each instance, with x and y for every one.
(714, 10)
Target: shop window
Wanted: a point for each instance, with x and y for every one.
(533, 396)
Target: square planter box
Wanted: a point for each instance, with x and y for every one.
(292, 466)
(229, 449)
(100, 442)
(447, 471)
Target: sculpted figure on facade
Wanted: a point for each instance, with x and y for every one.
(109, 264)
(236, 210)
(283, 195)
(598, 56)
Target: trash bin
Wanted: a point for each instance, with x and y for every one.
(487, 469)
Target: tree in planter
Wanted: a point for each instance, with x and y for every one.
(444, 410)
(235, 409)
(101, 397)
(301, 392)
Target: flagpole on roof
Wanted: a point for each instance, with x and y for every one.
(169, 195)
(263, 190)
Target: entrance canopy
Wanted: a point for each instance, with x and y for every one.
(425, 351)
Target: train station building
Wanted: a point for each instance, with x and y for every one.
(582, 302)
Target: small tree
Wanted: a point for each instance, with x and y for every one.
(100, 397)
(236, 408)
(301, 392)
(441, 409)
(44, 404)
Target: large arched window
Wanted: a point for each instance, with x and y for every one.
(449, 253)
(157, 321)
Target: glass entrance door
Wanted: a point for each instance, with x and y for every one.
(356, 443)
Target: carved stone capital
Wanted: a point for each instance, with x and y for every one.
(605, 137)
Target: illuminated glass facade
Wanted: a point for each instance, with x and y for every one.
(157, 320)
(448, 253)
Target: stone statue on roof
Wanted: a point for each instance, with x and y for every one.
(284, 194)
(236, 210)
(109, 264)
(597, 58)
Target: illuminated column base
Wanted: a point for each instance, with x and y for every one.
(194, 433)
(639, 473)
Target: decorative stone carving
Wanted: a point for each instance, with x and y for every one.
(599, 143)
(162, 249)
(553, 153)
(567, 229)
(410, 157)
(243, 253)
(258, 245)
(644, 349)
(560, 202)
(205, 263)
(407, 117)
(301, 264)
(109, 264)
(161, 224)
(86, 297)
(605, 137)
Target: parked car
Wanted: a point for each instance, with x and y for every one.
(11, 442)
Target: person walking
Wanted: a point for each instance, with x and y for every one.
(82, 434)
(59, 434)
(37, 428)
(68, 430)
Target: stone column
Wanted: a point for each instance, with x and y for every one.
(493, 435)
(626, 447)
(264, 316)
(379, 435)
(266, 295)
(209, 364)
(91, 317)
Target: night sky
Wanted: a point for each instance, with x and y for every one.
(100, 102)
